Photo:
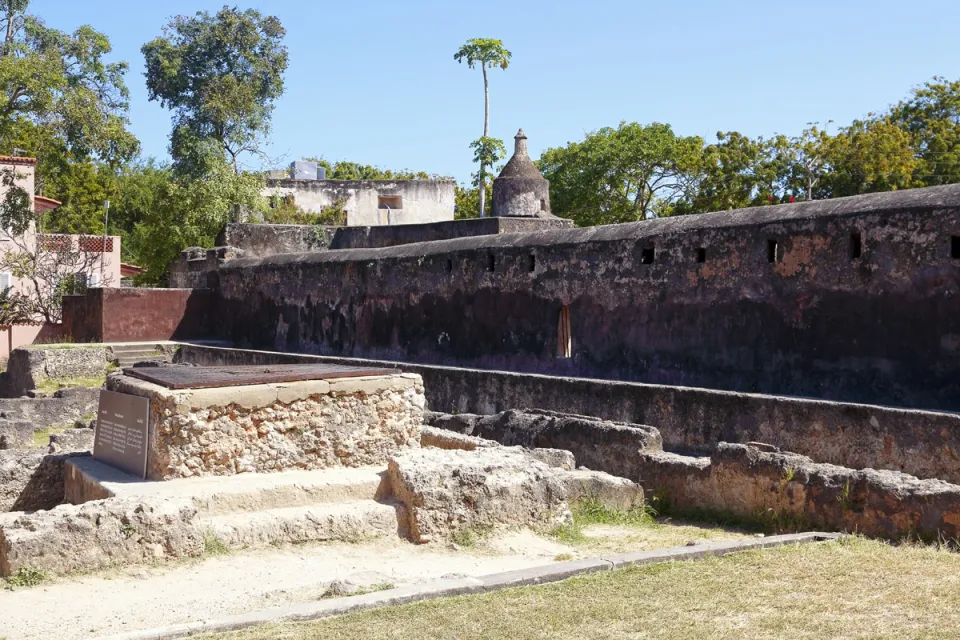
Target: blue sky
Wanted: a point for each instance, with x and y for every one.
(375, 81)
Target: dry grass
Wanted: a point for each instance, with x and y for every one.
(853, 589)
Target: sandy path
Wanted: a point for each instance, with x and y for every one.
(142, 598)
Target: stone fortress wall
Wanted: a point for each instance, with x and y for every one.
(852, 299)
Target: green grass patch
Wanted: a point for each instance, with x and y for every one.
(214, 546)
(52, 385)
(26, 577)
(852, 589)
(41, 437)
(591, 511)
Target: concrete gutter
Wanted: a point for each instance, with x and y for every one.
(543, 574)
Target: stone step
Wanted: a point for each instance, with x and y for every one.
(349, 521)
(88, 479)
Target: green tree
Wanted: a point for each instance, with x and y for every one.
(187, 212)
(484, 52)
(345, 170)
(220, 74)
(466, 202)
(629, 173)
(734, 172)
(931, 115)
(59, 99)
(869, 156)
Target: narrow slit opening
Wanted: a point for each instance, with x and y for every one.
(701, 255)
(647, 255)
(564, 340)
(773, 251)
(491, 263)
(856, 245)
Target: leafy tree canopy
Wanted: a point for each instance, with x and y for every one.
(220, 74)
(61, 100)
(621, 175)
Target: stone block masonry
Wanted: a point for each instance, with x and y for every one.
(852, 299)
(315, 424)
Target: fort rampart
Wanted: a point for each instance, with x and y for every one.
(853, 299)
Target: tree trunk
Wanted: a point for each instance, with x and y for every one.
(486, 131)
(11, 32)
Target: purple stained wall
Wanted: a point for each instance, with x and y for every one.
(855, 299)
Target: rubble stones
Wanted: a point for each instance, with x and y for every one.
(604, 445)
(449, 490)
(100, 534)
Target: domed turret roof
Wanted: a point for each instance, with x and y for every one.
(520, 166)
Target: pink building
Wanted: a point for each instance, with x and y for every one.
(91, 258)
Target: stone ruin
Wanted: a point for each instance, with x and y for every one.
(791, 366)
(344, 454)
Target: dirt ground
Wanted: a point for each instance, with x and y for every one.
(138, 598)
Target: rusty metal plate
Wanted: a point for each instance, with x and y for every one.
(206, 377)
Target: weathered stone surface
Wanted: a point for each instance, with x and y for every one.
(448, 490)
(748, 482)
(71, 440)
(463, 423)
(16, 434)
(597, 444)
(31, 480)
(357, 520)
(557, 458)
(693, 420)
(807, 320)
(611, 491)
(100, 534)
(442, 439)
(273, 427)
(360, 581)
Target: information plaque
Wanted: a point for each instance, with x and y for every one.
(121, 436)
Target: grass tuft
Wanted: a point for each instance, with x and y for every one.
(214, 546)
(26, 577)
(41, 437)
(469, 537)
(590, 511)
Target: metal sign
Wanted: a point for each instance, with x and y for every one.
(121, 437)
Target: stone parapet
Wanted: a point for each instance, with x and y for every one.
(314, 424)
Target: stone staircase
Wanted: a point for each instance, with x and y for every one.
(255, 510)
(127, 355)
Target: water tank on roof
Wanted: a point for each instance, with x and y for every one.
(303, 170)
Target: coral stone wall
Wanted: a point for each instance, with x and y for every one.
(854, 299)
(276, 427)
